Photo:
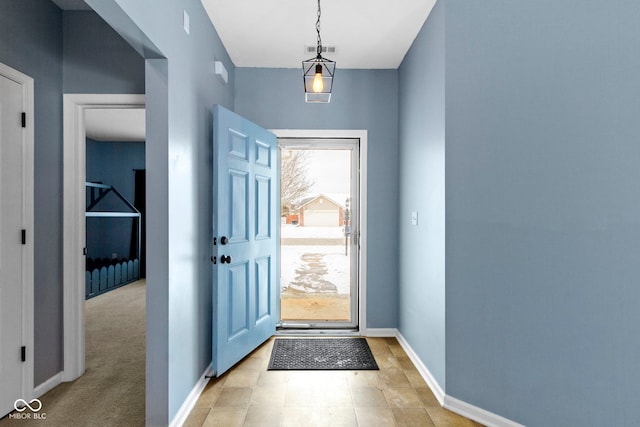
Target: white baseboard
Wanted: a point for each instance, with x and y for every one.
(192, 398)
(48, 385)
(381, 332)
(437, 391)
(475, 413)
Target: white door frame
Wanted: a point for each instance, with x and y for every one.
(362, 265)
(74, 155)
(28, 224)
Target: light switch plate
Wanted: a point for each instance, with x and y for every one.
(414, 218)
(185, 21)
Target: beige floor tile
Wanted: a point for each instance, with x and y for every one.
(402, 397)
(234, 397)
(263, 417)
(405, 363)
(378, 346)
(337, 396)
(273, 378)
(397, 350)
(218, 381)
(412, 417)
(300, 396)
(388, 361)
(318, 378)
(225, 417)
(241, 377)
(392, 378)
(427, 397)
(368, 396)
(297, 417)
(196, 417)
(443, 417)
(208, 396)
(268, 396)
(335, 417)
(363, 378)
(375, 417)
(414, 377)
(250, 395)
(252, 362)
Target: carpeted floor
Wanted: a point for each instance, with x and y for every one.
(112, 390)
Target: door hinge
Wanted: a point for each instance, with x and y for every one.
(23, 353)
(24, 237)
(24, 120)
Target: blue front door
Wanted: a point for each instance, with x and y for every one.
(245, 189)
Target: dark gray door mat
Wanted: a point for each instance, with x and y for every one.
(321, 354)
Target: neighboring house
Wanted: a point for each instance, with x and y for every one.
(321, 211)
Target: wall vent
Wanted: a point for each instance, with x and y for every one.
(311, 50)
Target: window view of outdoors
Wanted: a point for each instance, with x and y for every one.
(315, 244)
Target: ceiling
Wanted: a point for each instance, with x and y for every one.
(367, 34)
(273, 33)
(99, 124)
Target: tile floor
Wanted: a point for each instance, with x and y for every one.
(396, 395)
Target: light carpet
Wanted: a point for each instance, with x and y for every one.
(112, 390)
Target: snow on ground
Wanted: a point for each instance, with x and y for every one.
(293, 231)
(334, 260)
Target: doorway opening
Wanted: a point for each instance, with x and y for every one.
(319, 233)
(75, 135)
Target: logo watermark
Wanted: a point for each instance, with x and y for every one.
(21, 406)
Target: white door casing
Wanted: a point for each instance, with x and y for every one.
(16, 237)
(360, 134)
(74, 158)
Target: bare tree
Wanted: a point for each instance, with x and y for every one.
(294, 182)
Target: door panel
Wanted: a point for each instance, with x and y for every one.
(11, 258)
(245, 249)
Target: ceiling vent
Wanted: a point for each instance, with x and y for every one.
(311, 50)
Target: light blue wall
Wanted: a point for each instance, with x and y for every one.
(97, 59)
(543, 209)
(422, 190)
(181, 91)
(362, 99)
(31, 42)
(34, 39)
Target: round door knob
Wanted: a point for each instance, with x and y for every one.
(224, 240)
(225, 259)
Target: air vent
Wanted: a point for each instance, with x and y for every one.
(325, 49)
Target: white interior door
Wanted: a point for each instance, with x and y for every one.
(11, 244)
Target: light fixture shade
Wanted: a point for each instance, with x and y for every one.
(318, 79)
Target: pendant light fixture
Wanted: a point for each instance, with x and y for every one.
(318, 73)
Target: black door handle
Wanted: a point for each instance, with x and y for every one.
(225, 259)
(224, 240)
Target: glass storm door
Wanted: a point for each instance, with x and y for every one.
(319, 251)
(245, 256)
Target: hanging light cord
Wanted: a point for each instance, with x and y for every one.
(319, 48)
